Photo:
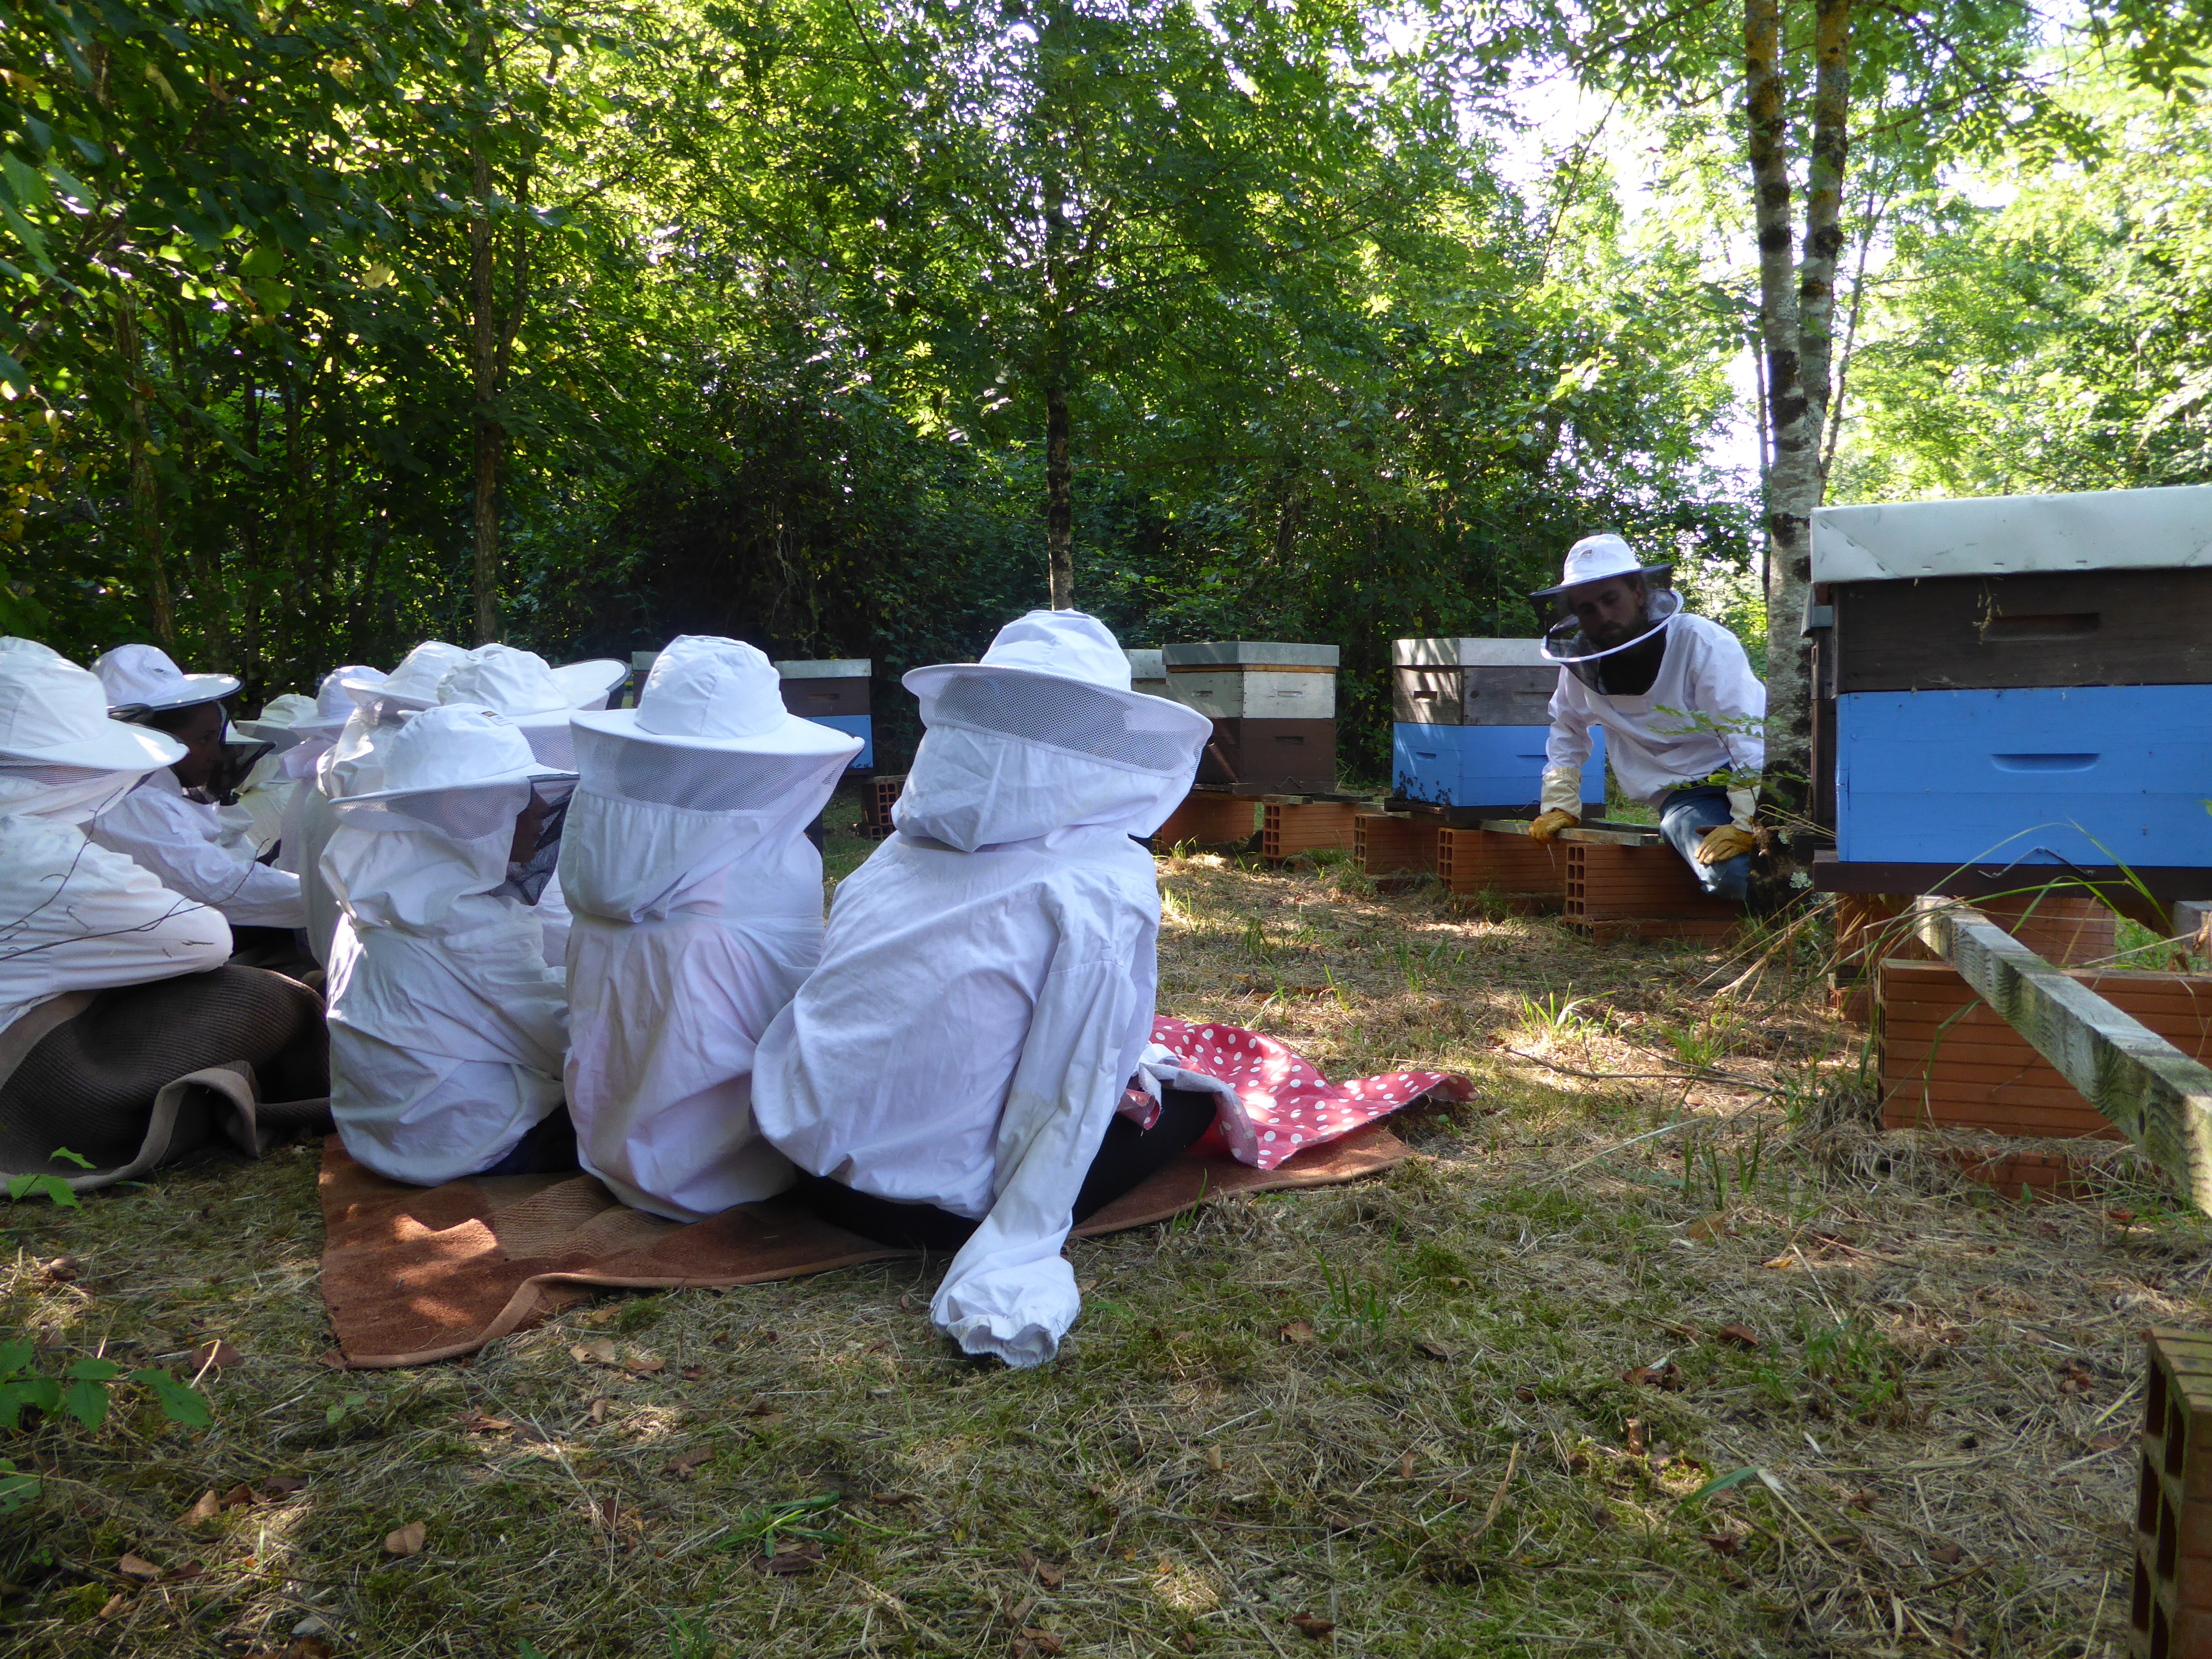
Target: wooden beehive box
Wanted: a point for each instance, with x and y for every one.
(1948, 1058)
(1274, 709)
(833, 691)
(2026, 677)
(1147, 673)
(1471, 718)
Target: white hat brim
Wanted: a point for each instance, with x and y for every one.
(590, 681)
(791, 736)
(279, 738)
(924, 682)
(521, 774)
(188, 692)
(123, 748)
(1646, 571)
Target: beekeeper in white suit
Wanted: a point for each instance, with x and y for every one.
(697, 906)
(447, 1025)
(168, 822)
(255, 821)
(950, 1073)
(1680, 705)
(314, 736)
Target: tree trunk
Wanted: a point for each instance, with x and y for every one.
(1058, 497)
(145, 506)
(491, 438)
(1792, 482)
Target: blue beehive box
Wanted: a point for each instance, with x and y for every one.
(1472, 717)
(2022, 680)
(834, 692)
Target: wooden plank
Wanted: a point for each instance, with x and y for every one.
(2154, 1094)
(1597, 832)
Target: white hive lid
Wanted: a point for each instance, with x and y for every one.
(828, 668)
(1468, 653)
(2005, 535)
(1145, 665)
(1247, 654)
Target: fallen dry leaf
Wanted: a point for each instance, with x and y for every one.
(890, 1497)
(1313, 1625)
(602, 1316)
(1948, 1554)
(1525, 1395)
(601, 1352)
(1687, 1332)
(1637, 1375)
(113, 1605)
(240, 1496)
(599, 1407)
(685, 1462)
(1406, 1466)
(132, 1566)
(217, 1354)
(1443, 1352)
(405, 1540)
(644, 1365)
(1213, 1458)
(484, 1423)
(1740, 1336)
(201, 1512)
(1706, 1229)
(1635, 1426)
(1038, 1641)
(799, 1558)
(1299, 1334)
(693, 1373)
(1725, 1543)
(285, 1484)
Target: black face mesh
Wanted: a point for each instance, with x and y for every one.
(695, 780)
(1062, 715)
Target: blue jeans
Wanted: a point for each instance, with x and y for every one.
(1685, 815)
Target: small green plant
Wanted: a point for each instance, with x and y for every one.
(1255, 945)
(1556, 1015)
(82, 1392)
(688, 1639)
(344, 1408)
(765, 1522)
(1699, 1046)
(54, 1188)
(1361, 1303)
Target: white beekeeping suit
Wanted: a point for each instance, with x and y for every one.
(447, 1026)
(315, 734)
(987, 981)
(175, 832)
(355, 765)
(255, 820)
(73, 916)
(539, 699)
(697, 904)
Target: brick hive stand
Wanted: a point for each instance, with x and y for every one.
(1529, 874)
(1869, 929)
(1388, 843)
(2171, 1611)
(879, 794)
(1949, 1058)
(1207, 820)
(1288, 827)
(1646, 891)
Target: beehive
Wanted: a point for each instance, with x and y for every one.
(1472, 716)
(1273, 708)
(2024, 677)
(1948, 1058)
(833, 691)
(1147, 673)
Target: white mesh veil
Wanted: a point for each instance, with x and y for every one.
(653, 826)
(1010, 757)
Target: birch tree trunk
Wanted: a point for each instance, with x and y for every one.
(1058, 495)
(491, 438)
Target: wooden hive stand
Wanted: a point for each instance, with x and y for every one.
(1527, 875)
(1205, 819)
(1949, 1058)
(1627, 881)
(2170, 1615)
(879, 794)
(1297, 824)
(1395, 843)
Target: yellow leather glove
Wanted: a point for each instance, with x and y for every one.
(1546, 825)
(1725, 841)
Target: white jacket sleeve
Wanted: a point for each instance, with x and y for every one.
(142, 828)
(1722, 685)
(1567, 748)
(1009, 1292)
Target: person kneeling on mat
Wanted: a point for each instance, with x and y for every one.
(448, 1027)
(111, 986)
(1676, 696)
(696, 899)
(949, 1077)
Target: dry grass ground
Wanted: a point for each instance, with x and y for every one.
(1409, 1409)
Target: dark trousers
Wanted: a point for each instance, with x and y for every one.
(1126, 1157)
(550, 1148)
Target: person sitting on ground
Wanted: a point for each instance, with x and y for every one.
(169, 822)
(112, 985)
(255, 819)
(314, 737)
(949, 1076)
(382, 704)
(539, 699)
(447, 1026)
(698, 902)
(1677, 698)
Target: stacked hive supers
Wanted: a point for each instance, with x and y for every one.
(1274, 709)
(2170, 1613)
(834, 692)
(1471, 718)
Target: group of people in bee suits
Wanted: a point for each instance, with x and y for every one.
(522, 932)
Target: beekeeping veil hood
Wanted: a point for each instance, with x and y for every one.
(536, 697)
(61, 756)
(1597, 559)
(1043, 734)
(674, 794)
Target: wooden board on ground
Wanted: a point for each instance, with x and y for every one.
(2158, 1096)
(1594, 832)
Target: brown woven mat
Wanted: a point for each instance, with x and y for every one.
(413, 1274)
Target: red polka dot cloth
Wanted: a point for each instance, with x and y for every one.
(1274, 1102)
